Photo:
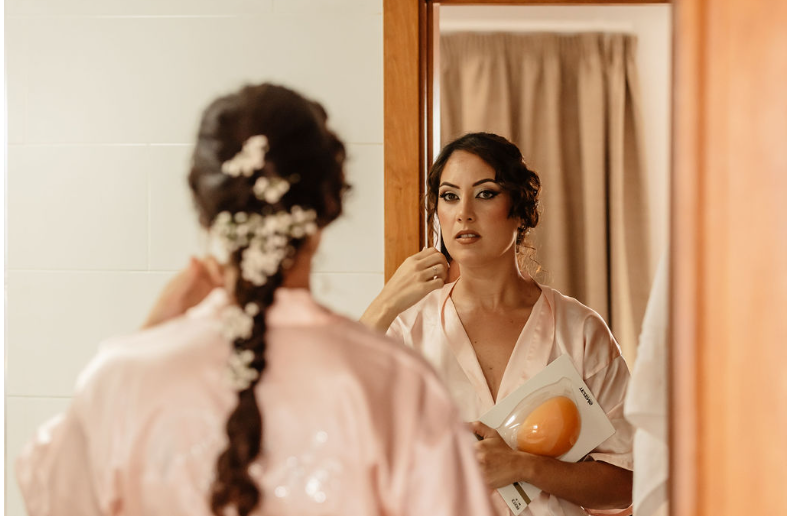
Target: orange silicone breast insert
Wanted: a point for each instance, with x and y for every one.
(551, 429)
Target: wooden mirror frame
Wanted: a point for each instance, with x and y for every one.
(723, 461)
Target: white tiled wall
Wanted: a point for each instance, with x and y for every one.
(103, 102)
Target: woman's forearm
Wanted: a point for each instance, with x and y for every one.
(379, 315)
(593, 485)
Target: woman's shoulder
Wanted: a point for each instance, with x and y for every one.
(358, 364)
(569, 308)
(577, 326)
(165, 353)
(366, 348)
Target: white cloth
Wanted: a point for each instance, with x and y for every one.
(646, 401)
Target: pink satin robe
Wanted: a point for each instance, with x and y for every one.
(353, 424)
(557, 325)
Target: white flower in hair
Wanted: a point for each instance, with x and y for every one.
(250, 158)
(264, 239)
(236, 323)
(258, 263)
(252, 309)
(270, 190)
(303, 222)
(283, 222)
(240, 374)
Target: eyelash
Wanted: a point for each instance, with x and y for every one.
(485, 195)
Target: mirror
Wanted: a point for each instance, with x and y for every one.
(584, 92)
(418, 90)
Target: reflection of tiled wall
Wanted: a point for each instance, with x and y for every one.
(103, 102)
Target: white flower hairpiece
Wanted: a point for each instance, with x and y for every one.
(250, 158)
(240, 373)
(265, 237)
(270, 190)
(252, 309)
(236, 323)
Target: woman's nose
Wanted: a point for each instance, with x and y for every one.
(465, 211)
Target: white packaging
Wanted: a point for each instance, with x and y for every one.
(558, 378)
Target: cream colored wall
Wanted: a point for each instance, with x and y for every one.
(103, 101)
(652, 25)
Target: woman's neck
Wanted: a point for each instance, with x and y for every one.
(494, 286)
(298, 274)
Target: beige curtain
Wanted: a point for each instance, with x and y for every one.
(572, 104)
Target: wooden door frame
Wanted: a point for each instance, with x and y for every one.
(708, 471)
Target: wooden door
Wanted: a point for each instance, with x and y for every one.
(728, 377)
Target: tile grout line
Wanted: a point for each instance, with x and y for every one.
(148, 207)
(37, 396)
(142, 145)
(160, 271)
(26, 99)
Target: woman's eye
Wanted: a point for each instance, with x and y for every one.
(487, 194)
(448, 196)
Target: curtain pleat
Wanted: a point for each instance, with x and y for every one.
(571, 102)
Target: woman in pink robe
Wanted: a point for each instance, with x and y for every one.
(257, 400)
(494, 327)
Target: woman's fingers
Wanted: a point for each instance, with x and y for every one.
(418, 275)
(431, 265)
(214, 270)
(434, 271)
(430, 256)
(435, 284)
(482, 430)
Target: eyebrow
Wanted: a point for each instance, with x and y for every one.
(477, 183)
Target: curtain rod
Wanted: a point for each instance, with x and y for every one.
(502, 25)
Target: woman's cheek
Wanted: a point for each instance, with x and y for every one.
(445, 218)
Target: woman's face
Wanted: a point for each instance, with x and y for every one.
(473, 212)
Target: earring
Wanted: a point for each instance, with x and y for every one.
(522, 231)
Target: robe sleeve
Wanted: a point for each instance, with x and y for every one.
(402, 331)
(54, 472)
(607, 376)
(63, 470)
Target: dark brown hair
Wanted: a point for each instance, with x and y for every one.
(301, 149)
(511, 173)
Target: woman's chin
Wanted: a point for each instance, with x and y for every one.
(475, 258)
(468, 258)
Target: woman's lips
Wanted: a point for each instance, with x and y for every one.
(467, 237)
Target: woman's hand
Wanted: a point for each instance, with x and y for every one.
(589, 484)
(501, 465)
(418, 275)
(188, 288)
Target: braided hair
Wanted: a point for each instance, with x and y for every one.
(230, 190)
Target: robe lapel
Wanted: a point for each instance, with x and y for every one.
(533, 348)
(464, 353)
